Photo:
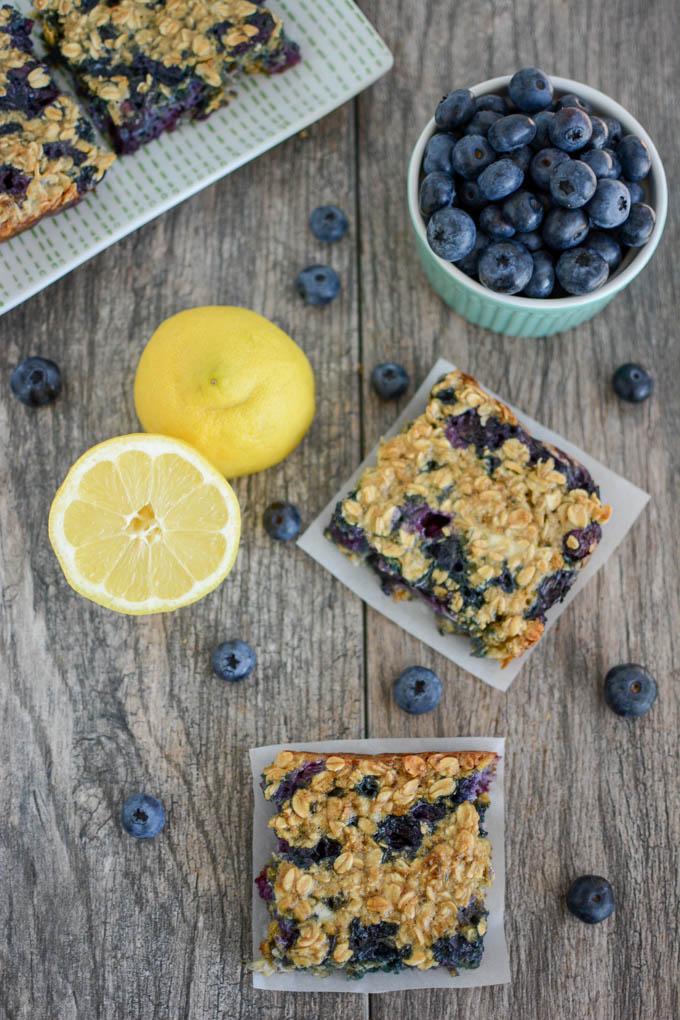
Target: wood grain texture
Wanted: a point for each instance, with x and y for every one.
(95, 706)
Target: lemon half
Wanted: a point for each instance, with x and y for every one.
(144, 524)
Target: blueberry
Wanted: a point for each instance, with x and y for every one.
(581, 271)
(390, 380)
(481, 122)
(500, 179)
(451, 234)
(523, 210)
(635, 159)
(570, 129)
(471, 155)
(591, 899)
(496, 225)
(36, 381)
(610, 205)
(417, 690)
(636, 230)
(530, 89)
(564, 228)
(573, 102)
(542, 120)
(233, 660)
(600, 135)
(599, 161)
(637, 192)
(614, 130)
(318, 285)
(470, 196)
(438, 153)
(282, 521)
(367, 787)
(531, 240)
(505, 267)
(616, 163)
(437, 191)
(542, 280)
(522, 157)
(512, 132)
(142, 816)
(492, 102)
(543, 164)
(468, 264)
(572, 184)
(328, 223)
(606, 246)
(632, 383)
(455, 110)
(629, 690)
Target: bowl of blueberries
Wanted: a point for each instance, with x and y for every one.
(534, 201)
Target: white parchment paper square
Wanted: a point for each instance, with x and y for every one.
(416, 617)
(495, 966)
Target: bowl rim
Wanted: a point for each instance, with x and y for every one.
(605, 106)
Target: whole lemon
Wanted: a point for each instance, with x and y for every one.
(230, 383)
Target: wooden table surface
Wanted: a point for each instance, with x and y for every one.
(95, 706)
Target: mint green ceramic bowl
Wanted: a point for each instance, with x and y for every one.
(521, 316)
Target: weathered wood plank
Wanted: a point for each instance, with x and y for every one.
(586, 791)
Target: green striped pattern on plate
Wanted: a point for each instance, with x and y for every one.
(342, 54)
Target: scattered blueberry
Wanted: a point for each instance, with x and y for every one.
(318, 285)
(36, 382)
(492, 102)
(570, 129)
(637, 192)
(632, 383)
(600, 135)
(581, 271)
(634, 156)
(571, 100)
(524, 211)
(629, 690)
(505, 267)
(599, 161)
(542, 282)
(610, 205)
(438, 153)
(494, 222)
(455, 110)
(530, 90)
(390, 380)
(417, 690)
(572, 183)
(471, 155)
(499, 180)
(591, 899)
(437, 191)
(638, 227)
(328, 223)
(543, 164)
(142, 816)
(606, 246)
(233, 660)
(564, 228)
(451, 234)
(282, 521)
(512, 132)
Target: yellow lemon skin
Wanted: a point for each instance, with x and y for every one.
(229, 382)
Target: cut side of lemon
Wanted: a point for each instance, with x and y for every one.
(144, 524)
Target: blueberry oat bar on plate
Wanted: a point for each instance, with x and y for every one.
(468, 511)
(48, 155)
(382, 862)
(143, 65)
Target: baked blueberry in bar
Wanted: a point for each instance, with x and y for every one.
(468, 511)
(144, 65)
(382, 862)
(48, 154)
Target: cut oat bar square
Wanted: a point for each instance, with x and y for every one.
(467, 511)
(382, 862)
(48, 154)
(142, 67)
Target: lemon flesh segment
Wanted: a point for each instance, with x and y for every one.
(144, 524)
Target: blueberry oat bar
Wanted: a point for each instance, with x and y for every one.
(143, 65)
(469, 512)
(382, 862)
(48, 155)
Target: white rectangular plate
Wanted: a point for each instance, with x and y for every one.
(341, 55)
(495, 966)
(626, 500)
